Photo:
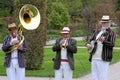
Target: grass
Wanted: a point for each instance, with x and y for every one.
(82, 65)
(117, 42)
(81, 43)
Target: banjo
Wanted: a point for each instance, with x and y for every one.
(93, 47)
(93, 43)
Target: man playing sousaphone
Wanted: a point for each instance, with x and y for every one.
(14, 59)
(64, 60)
(102, 55)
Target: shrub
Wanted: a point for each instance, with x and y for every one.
(77, 33)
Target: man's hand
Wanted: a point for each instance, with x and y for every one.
(61, 42)
(15, 42)
(19, 46)
(88, 46)
(101, 38)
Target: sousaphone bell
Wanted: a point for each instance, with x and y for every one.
(29, 17)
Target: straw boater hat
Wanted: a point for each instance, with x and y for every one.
(105, 18)
(65, 30)
(12, 25)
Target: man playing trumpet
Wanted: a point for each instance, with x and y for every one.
(64, 47)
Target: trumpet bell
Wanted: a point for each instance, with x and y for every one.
(29, 17)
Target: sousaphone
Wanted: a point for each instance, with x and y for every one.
(29, 17)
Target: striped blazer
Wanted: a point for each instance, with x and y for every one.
(108, 44)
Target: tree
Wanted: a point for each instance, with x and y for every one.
(88, 21)
(74, 8)
(92, 13)
(106, 7)
(35, 38)
(59, 15)
(118, 16)
(118, 5)
(88, 16)
(6, 9)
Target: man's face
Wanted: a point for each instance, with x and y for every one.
(105, 24)
(66, 35)
(13, 31)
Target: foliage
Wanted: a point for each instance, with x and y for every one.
(74, 6)
(59, 15)
(105, 8)
(77, 33)
(3, 31)
(118, 5)
(4, 12)
(2, 34)
(118, 16)
(7, 5)
(53, 34)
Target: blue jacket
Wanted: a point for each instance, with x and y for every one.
(6, 47)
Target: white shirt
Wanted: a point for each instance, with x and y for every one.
(64, 53)
(98, 52)
(14, 53)
(99, 49)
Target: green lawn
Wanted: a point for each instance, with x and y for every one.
(117, 42)
(82, 65)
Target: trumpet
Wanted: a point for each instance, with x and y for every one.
(63, 43)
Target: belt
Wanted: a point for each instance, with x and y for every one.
(64, 60)
(15, 58)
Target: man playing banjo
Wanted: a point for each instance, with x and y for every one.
(102, 55)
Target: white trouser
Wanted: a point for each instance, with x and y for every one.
(65, 71)
(99, 69)
(14, 72)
